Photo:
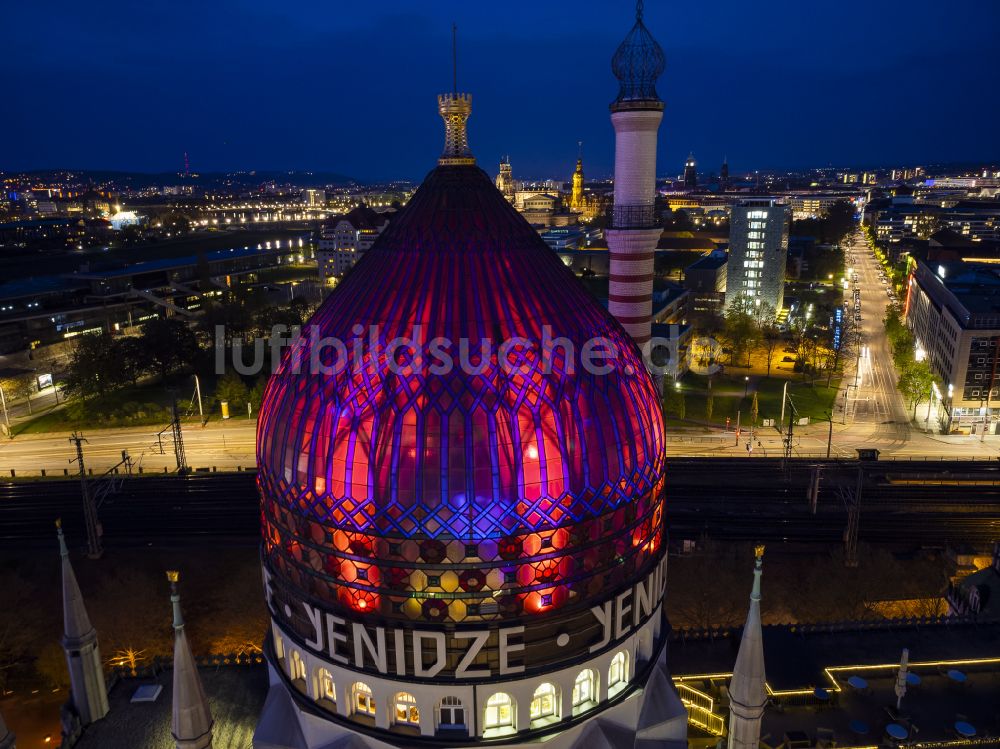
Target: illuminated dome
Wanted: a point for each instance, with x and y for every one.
(460, 463)
(490, 467)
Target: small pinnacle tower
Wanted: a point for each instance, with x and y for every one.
(505, 180)
(747, 693)
(89, 691)
(576, 197)
(6, 736)
(634, 230)
(192, 722)
(455, 109)
(690, 173)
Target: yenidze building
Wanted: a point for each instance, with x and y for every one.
(473, 554)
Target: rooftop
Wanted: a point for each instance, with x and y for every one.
(809, 668)
(235, 694)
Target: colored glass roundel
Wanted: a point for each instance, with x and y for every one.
(517, 479)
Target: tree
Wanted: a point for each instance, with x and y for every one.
(753, 409)
(92, 366)
(915, 383)
(131, 358)
(675, 404)
(709, 406)
(741, 330)
(232, 389)
(169, 343)
(771, 338)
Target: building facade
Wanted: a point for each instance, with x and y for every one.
(344, 240)
(758, 251)
(449, 558)
(953, 310)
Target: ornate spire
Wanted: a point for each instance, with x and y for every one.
(455, 109)
(192, 721)
(76, 622)
(637, 63)
(747, 690)
(89, 692)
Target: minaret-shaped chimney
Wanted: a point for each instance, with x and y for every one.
(747, 693)
(634, 228)
(6, 736)
(192, 722)
(89, 691)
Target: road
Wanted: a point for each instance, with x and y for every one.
(874, 404)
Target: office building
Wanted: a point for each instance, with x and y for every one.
(758, 251)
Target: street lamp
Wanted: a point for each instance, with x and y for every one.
(746, 385)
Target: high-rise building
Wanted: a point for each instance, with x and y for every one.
(690, 173)
(634, 228)
(449, 556)
(724, 176)
(758, 251)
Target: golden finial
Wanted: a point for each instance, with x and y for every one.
(758, 551)
(173, 575)
(58, 522)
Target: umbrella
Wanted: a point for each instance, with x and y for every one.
(901, 677)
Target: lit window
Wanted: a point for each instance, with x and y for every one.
(325, 689)
(545, 703)
(364, 702)
(452, 713)
(499, 713)
(618, 673)
(406, 712)
(297, 668)
(584, 690)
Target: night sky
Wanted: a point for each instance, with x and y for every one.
(350, 86)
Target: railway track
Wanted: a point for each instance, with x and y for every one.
(726, 499)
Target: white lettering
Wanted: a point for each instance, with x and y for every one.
(316, 619)
(361, 639)
(506, 649)
(603, 615)
(418, 653)
(644, 599)
(621, 611)
(400, 648)
(333, 637)
(479, 638)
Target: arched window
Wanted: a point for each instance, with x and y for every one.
(364, 703)
(279, 646)
(545, 703)
(325, 690)
(618, 673)
(584, 691)
(452, 713)
(499, 718)
(297, 667)
(405, 710)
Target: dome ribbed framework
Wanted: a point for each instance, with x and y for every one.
(483, 491)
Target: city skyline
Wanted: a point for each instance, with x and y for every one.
(862, 87)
